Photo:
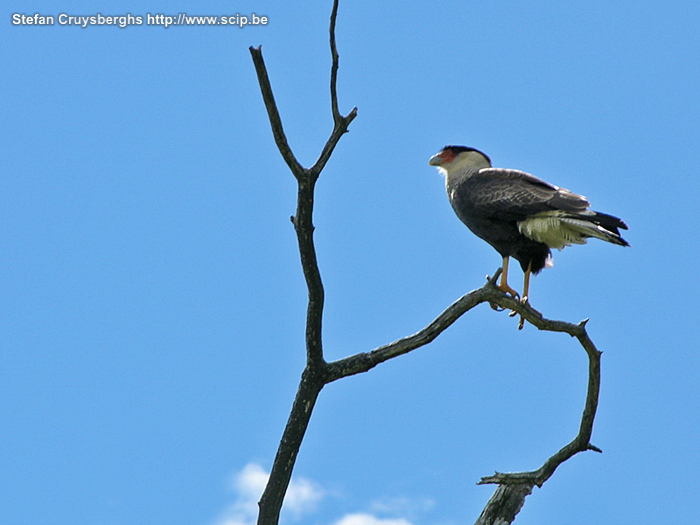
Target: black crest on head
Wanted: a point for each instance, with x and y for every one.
(456, 150)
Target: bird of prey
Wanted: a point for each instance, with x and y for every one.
(518, 214)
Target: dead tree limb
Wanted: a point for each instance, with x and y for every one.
(314, 375)
(513, 488)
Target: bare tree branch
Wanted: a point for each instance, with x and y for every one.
(314, 376)
(365, 361)
(340, 123)
(272, 498)
(581, 442)
(504, 505)
(273, 114)
(513, 488)
(334, 67)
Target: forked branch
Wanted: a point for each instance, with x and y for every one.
(513, 487)
(313, 378)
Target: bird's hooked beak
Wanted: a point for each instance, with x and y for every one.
(435, 160)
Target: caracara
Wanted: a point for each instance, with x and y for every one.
(518, 214)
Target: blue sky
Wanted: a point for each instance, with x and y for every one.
(152, 299)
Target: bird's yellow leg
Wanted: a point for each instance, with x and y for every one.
(526, 283)
(503, 285)
(526, 291)
(526, 299)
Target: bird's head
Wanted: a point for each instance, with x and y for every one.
(460, 159)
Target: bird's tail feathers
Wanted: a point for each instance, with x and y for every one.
(599, 225)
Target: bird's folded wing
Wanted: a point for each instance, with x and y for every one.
(512, 194)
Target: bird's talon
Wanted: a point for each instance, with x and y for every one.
(508, 291)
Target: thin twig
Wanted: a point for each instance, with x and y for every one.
(334, 66)
(365, 361)
(272, 112)
(340, 123)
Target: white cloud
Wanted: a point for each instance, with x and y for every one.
(362, 518)
(302, 496)
(248, 484)
(301, 499)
